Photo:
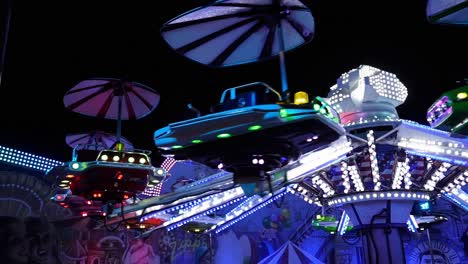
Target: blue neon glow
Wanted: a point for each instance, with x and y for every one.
(458, 199)
(424, 206)
(250, 211)
(344, 223)
(196, 216)
(27, 160)
(462, 162)
(412, 224)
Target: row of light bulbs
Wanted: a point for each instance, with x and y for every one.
(116, 158)
(28, 160)
(392, 195)
(250, 210)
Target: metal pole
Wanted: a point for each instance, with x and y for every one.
(430, 244)
(5, 39)
(210, 242)
(284, 79)
(119, 118)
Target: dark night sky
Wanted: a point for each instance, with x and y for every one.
(52, 46)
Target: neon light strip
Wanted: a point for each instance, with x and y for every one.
(345, 177)
(318, 159)
(215, 202)
(186, 202)
(373, 160)
(200, 215)
(27, 160)
(412, 224)
(437, 176)
(458, 182)
(386, 195)
(168, 163)
(245, 210)
(459, 197)
(343, 224)
(305, 195)
(402, 175)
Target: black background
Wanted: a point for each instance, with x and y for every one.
(53, 45)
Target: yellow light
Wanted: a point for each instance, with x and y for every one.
(462, 95)
(131, 159)
(142, 160)
(75, 166)
(160, 171)
(64, 186)
(104, 157)
(301, 98)
(116, 158)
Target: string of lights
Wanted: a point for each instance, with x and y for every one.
(27, 160)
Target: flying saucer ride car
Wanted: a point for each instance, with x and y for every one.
(109, 175)
(252, 133)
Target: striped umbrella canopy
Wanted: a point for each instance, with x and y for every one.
(447, 11)
(112, 99)
(95, 140)
(290, 253)
(232, 32)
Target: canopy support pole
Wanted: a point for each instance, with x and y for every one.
(119, 118)
(284, 77)
(282, 61)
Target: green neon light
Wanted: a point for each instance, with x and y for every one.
(177, 147)
(197, 141)
(224, 135)
(119, 146)
(254, 128)
(283, 113)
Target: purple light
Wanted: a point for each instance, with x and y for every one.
(440, 111)
(168, 163)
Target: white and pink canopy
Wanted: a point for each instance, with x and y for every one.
(112, 99)
(290, 253)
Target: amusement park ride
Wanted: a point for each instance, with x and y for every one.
(349, 151)
(99, 174)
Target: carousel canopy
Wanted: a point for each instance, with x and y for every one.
(448, 11)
